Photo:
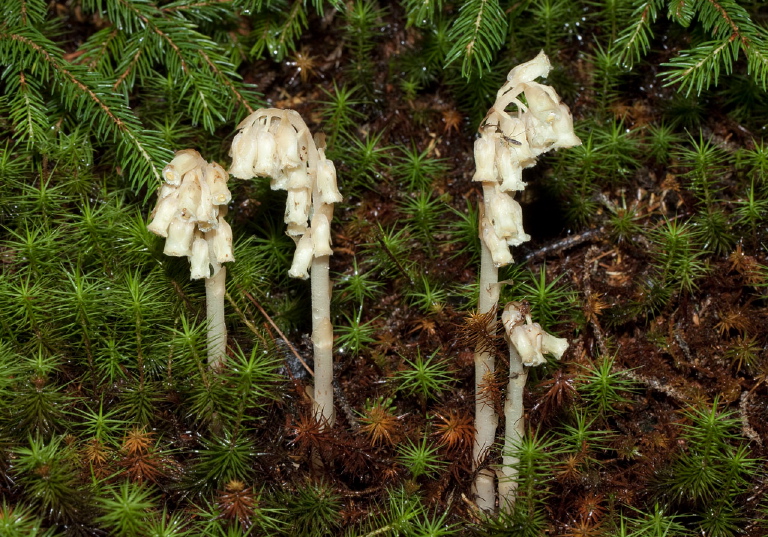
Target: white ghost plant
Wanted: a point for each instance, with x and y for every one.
(509, 142)
(528, 343)
(277, 144)
(191, 206)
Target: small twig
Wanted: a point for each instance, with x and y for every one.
(395, 260)
(564, 244)
(473, 508)
(245, 319)
(590, 258)
(345, 406)
(683, 344)
(655, 384)
(287, 342)
(746, 429)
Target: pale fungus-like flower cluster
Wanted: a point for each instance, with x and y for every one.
(192, 203)
(509, 143)
(528, 338)
(277, 144)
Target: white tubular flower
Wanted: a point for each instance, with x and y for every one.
(298, 178)
(563, 127)
(321, 235)
(217, 180)
(556, 346)
(179, 241)
(296, 231)
(184, 161)
(512, 315)
(207, 214)
(279, 181)
(166, 190)
(304, 134)
(297, 206)
(266, 156)
(540, 103)
(287, 144)
(528, 338)
(190, 194)
(222, 242)
(302, 257)
(498, 248)
(509, 168)
(163, 214)
(327, 189)
(506, 215)
(485, 152)
(517, 141)
(518, 239)
(199, 260)
(243, 153)
(530, 70)
(543, 136)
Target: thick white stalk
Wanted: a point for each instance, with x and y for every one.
(486, 419)
(322, 339)
(515, 428)
(217, 329)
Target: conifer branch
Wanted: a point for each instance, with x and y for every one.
(635, 40)
(296, 19)
(24, 12)
(187, 7)
(277, 36)
(227, 82)
(25, 93)
(205, 77)
(97, 56)
(731, 30)
(477, 34)
(119, 118)
(149, 23)
(127, 70)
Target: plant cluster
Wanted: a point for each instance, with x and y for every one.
(647, 253)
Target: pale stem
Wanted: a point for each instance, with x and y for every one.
(486, 419)
(217, 329)
(322, 339)
(515, 428)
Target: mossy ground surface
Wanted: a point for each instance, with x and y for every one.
(648, 253)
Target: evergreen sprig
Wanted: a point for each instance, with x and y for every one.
(51, 93)
(33, 61)
(276, 30)
(731, 32)
(477, 34)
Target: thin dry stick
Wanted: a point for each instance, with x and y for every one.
(280, 332)
(245, 319)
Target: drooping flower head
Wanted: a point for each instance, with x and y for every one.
(192, 203)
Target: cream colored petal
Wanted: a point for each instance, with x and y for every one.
(179, 240)
(302, 257)
(200, 266)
